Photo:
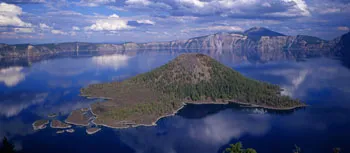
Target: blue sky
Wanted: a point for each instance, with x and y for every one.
(48, 21)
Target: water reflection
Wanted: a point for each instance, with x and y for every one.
(111, 61)
(12, 76)
(68, 67)
(207, 134)
(12, 104)
(52, 86)
(301, 78)
(15, 127)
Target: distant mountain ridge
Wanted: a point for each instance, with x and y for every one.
(255, 44)
(257, 32)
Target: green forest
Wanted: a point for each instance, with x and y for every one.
(189, 78)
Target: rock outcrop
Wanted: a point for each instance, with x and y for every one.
(256, 44)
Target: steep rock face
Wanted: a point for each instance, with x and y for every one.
(342, 48)
(256, 44)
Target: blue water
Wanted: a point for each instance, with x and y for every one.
(52, 86)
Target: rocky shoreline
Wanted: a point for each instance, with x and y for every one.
(40, 124)
(56, 124)
(91, 131)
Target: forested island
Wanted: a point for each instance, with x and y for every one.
(189, 78)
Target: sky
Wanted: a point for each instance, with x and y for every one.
(116, 21)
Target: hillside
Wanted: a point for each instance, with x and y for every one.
(190, 78)
(256, 33)
(343, 47)
(257, 44)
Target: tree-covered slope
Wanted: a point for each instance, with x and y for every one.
(192, 78)
(344, 48)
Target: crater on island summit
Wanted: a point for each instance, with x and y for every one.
(189, 78)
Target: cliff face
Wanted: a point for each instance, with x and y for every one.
(267, 48)
(342, 48)
(256, 44)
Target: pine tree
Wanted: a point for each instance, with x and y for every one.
(237, 148)
(7, 147)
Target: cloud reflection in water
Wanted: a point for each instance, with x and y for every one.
(13, 104)
(12, 76)
(207, 134)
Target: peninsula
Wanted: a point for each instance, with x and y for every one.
(56, 124)
(189, 78)
(78, 117)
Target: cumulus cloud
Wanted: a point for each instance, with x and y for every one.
(215, 28)
(44, 26)
(138, 2)
(94, 3)
(24, 1)
(58, 32)
(75, 28)
(111, 23)
(24, 30)
(343, 28)
(145, 22)
(227, 8)
(9, 16)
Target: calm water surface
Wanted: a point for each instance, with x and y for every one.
(52, 86)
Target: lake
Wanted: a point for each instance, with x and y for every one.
(34, 90)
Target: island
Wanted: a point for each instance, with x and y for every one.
(59, 125)
(52, 115)
(92, 130)
(84, 109)
(189, 78)
(40, 124)
(60, 131)
(78, 117)
(70, 130)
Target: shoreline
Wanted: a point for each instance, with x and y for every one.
(154, 123)
(77, 124)
(93, 132)
(267, 107)
(40, 127)
(59, 126)
(93, 97)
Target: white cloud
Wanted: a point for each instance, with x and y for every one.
(94, 3)
(138, 2)
(44, 26)
(301, 6)
(215, 28)
(112, 23)
(226, 8)
(58, 32)
(9, 16)
(146, 22)
(11, 76)
(343, 28)
(329, 10)
(24, 30)
(73, 33)
(193, 3)
(75, 28)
